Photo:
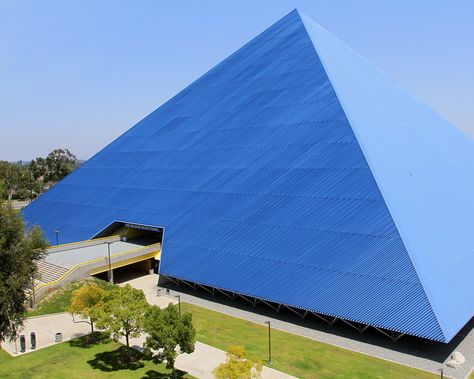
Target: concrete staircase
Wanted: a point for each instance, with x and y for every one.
(49, 272)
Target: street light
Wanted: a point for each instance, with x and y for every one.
(269, 342)
(111, 273)
(179, 304)
(441, 370)
(33, 298)
(57, 236)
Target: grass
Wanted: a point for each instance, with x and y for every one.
(59, 301)
(77, 359)
(295, 355)
(298, 356)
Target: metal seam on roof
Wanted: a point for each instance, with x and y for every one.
(296, 264)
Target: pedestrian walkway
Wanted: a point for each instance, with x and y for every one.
(204, 360)
(201, 365)
(45, 328)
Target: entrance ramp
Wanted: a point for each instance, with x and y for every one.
(80, 260)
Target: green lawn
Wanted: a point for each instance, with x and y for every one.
(292, 354)
(60, 300)
(75, 359)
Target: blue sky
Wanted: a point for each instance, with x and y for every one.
(77, 74)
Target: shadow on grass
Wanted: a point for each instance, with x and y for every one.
(89, 340)
(152, 374)
(117, 360)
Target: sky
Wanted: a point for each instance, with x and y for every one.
(77, 74)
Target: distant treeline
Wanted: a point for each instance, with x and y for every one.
(27, 180)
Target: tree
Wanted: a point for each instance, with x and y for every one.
(21, 181)
(238, 366)
(15, 181)
(10, 176)
(59, 163)
(3, 189)
(122, 313)
(38, 168)
(169, 334)
(20, 249)
(85, 302)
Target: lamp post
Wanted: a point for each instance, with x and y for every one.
(269, 342)
(33, 298)
(179, 304)
(441, 370)
(111, 273)
(57, 236)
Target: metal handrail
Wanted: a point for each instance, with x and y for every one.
(75, 267)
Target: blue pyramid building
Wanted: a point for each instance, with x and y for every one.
(296, 173)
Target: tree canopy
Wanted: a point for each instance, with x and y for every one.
(169, 333)
(15, 179)
(86, 301)
(20, 249)
(22, 181)
(122, 313)
(238, 365)
(59, 163)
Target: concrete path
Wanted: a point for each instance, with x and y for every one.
(147, 284)
(208, 358)
(205, 359)
(45, 328)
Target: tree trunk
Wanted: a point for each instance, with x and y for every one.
(128, 347)
(173, 369)
(92, 338)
